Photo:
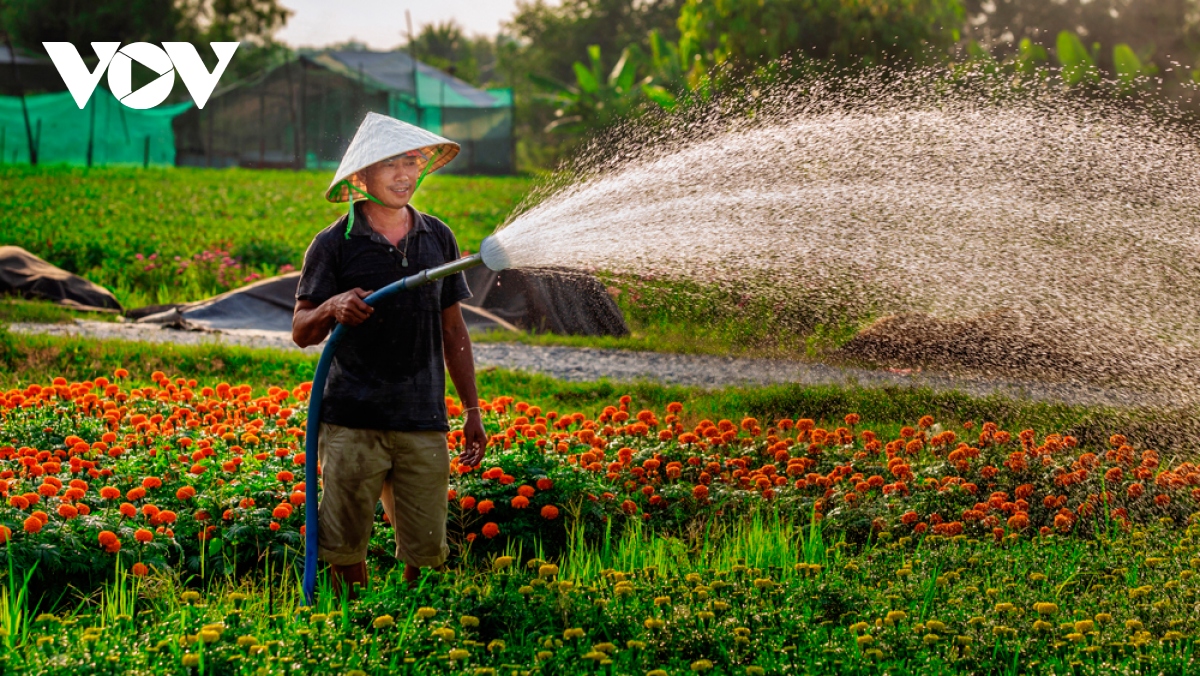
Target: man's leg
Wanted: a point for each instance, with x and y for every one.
(411, 573)
(417, 489)
(354, 464)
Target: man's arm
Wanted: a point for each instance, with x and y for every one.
(456, 345)
(312, 322)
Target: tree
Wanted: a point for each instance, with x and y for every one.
(750, 33)
(1160, 31)
(445, 46)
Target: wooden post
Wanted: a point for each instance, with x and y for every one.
(91, 130)
(12, 57)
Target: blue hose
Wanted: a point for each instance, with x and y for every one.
(313, 427)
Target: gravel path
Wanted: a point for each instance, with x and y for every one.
(589, 364)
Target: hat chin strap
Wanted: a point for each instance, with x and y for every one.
(351, 188)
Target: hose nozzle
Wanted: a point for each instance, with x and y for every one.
(494, 255)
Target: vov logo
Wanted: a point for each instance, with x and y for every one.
(172, 57)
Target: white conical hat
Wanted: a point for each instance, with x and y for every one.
(378, 138)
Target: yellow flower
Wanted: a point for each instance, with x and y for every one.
(191, 660)
(1040, 625)
(623, 589)
(1103, 618)
(662, 601)
(575, 632)
(525, 590)
(895, 616)
(963, 640)
(484, 671)
(865, 640)
(755, 671)
(1133, 625)
(935, 625)
(1006, 607)
(384, 621)
(1172, 636)
(459, 654)
(594, 655)
(444, 634)
(425, 613)
(606, 648)
(318, 618)
(657, 672)
(693, 578)
(741, 631)
(495, 646)
(702, 665)
(209, 636)
(654, 623)
(635, 645)
(502, 562)
(930, 639)
(190, 596)
(1084, 626)
(720, 606)
(544, 655)
(1045, 608)
(246, 641)
(469, 621)
(705, 615)
(547, 570)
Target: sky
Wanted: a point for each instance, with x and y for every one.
(380, 23)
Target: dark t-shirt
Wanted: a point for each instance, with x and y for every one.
(388, 373)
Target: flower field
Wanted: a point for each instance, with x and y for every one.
(622, 541)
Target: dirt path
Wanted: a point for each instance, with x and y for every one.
(589, 364)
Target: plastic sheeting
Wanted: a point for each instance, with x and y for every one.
(23, 274)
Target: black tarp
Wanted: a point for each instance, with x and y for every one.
(24, 274)
(555, 302)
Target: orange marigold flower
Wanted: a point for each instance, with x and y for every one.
(467, 503)
(674, 407)
(526, 491)
(275, 525)
(185, 493)
(852, 419)
(700, 492)
(5, 534)
(520, 502)
(485, 506)
(549, 512)
(33, 524)
(143, 536)
(544, 484)
(1018, 521)
(285, 476)
(18, 501)
(107, 538)
(139, 569)
(297, 498)
(110, 493)
(166, 516)
(490, 530)
(281, 512)
(121, 373)
(48, 490)
(629, 507)
(67, 511)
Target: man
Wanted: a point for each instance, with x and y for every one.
(383, 420)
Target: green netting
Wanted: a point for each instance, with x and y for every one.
(62, 132)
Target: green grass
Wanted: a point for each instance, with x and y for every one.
(43, 312)
(28, 359)
(94, 222)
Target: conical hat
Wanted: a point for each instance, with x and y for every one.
(380, 137)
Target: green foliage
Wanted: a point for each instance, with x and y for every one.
(751, 33)
(597, 99)
(1078, 64)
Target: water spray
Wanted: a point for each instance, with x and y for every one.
(491, 254)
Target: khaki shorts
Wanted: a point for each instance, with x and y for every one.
(356, 464)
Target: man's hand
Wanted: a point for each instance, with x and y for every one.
(474, 440)
(349, 309)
